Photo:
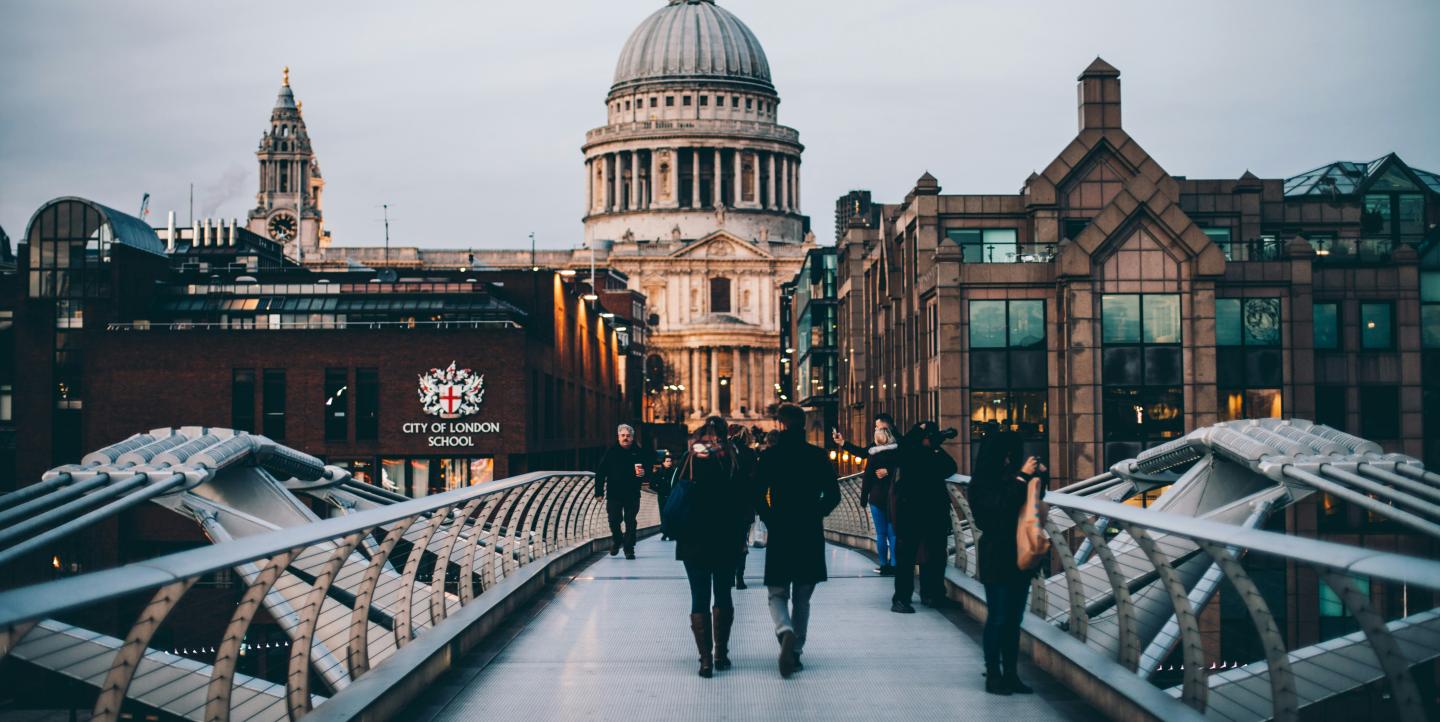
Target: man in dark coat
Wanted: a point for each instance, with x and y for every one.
(796, 488)
(920, 512)
(623, 469)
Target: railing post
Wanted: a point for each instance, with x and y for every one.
(357, 654)
(127, 659)
(1196, 689)
(297, 684)
(1387, 651)
(222, 675)
(1128, 647)
(1282, 680)
(1079, 622)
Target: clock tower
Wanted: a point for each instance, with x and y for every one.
(287, 208)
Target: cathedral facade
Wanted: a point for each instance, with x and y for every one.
(692, 195)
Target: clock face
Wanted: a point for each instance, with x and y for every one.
(282, 227)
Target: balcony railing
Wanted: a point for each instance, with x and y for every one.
(770, 131)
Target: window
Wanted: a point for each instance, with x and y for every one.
(1380, 412)
(719, 295)
(367, 404)
(337, 405)
(669, 101)
(1327, 326)
(627, 105)
(1008, 370)
(7, 403)
(242, 400)
(654, 102)
(1075, 226)
(1220, 237)
(1249, 362)
(996, 245)
(273, 403)
(1377, 326)
(704, 101)
(749, 103)
(734, 101)
(1142, 372)
(1430, 309)
(1330, 406)
(1335, 620)
(685, 101)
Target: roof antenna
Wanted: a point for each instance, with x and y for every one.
(533, 267)
(386, 208)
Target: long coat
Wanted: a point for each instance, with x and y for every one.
(615, 474)
(875, 490)
(722, 506)
(920, 507)
(995, 502)
(796, 488)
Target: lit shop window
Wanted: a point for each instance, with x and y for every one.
(1142, 369)
(1008, 370)
(1249, 361)
(1377, 326)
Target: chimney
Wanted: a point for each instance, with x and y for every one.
(234, 222)
(170, 232)
(1100, 97)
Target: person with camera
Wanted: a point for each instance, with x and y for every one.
(622, 471)
(719, 505)
(920, 511)
(796, 488)
(998, 490)
(882, 462)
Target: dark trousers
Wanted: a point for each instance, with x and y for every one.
(932, 569)
(660, 499)
(703, 579)
(622, 509)
(1005, 607)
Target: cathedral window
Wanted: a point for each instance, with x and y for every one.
(734, 101)
(704, 101)
(627, 105)
(720, 295)
(654, 102)
(749, 104)
(685, 101)
(669, 101)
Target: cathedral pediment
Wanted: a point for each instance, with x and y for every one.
(721, 244)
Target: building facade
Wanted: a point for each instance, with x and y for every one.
(810, 360)
(692, 195)
(1111, 306)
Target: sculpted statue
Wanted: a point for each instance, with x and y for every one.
(720, 215)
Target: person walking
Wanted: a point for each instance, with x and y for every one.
(920, 512)
(997, 493)
(875, 489)
(796, 488)
(622, 471)
(742, 441)
(661, 482)
(719, 505)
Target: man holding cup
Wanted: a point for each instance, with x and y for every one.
(624, 468)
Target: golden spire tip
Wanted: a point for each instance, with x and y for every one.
(287, 76)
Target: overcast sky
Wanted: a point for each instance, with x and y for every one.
(467, 117)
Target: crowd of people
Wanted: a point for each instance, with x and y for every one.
(743, 489)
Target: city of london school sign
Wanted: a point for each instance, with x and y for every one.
(451, 394)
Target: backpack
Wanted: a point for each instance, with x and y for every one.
(1031, 542)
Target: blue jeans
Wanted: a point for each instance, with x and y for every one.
(1005, 607)
(884, 536)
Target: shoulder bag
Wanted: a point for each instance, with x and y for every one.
(1031, 542)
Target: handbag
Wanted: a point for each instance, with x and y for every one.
(1031, 542)
(676, 517)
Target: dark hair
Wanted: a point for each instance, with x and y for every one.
(1000, 455)
(713, 425)
(791, 417)
(888, 419)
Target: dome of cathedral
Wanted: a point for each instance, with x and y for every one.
(693, 40)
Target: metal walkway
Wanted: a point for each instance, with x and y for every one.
(613, 644)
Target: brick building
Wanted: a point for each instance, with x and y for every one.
(120, 330)
(1110, 305)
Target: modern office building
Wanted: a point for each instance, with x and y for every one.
(1111, 306)
(810, 361)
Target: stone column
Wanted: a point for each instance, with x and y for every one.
(770, 184)
(716, 193)
(750, 379)
(695, 181)
(739, 183)
(714, 380)
(589, 188)
(613, 165)
(635, 202)
(652, 196)
(755, 180)
(736, 398)
(796, 181)
(785, 182)
(694, 381)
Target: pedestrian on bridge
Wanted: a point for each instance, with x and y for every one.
(719, 506)
(997, 493)
(623, 470)
(882, 462)
(743, 442)
(661, 481)
(920, 511)
(796, 489)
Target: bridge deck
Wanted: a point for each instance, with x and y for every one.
(614, 644)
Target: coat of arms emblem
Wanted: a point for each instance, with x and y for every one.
(451, 393)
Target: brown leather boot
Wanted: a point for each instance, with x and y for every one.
(700, 627)
(723, 619)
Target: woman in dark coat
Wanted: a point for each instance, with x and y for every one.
(920, 511)
(997, 492)
(741, 439)
(881, 466)
(720, 507)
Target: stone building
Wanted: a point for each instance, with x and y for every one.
(1110, 306)
(288, 205)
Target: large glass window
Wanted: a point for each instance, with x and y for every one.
(1430, 309)
(1008, 370)
(1249, 363)
(991, 245)
(1327, 326)
(337, 405)
(1377, 329)
(1380, 412)
(273, 403)
(720, 295)
(1142, 372)
(1331, 406)
(367, 404)
(242, 400)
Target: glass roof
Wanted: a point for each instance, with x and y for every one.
(1345, 178)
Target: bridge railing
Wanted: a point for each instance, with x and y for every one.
(1132, 586)
(180, 634)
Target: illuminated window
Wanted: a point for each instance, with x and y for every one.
(1249, 362)
(1008, 370)
(1377, 326)
(337, 405)
(1141, 373)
